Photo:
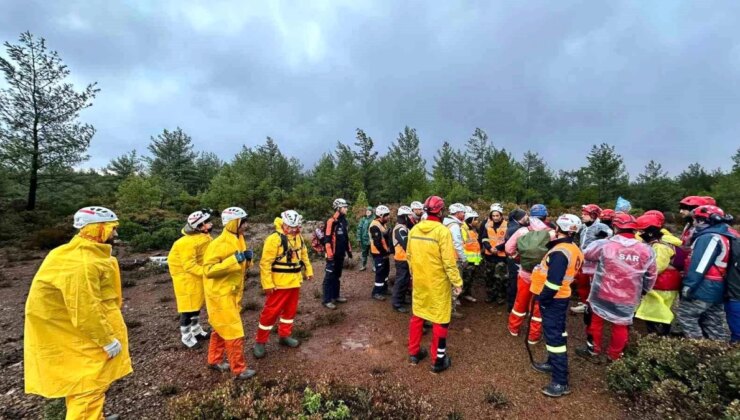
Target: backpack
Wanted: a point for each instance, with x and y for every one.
(532, 247)
(732, 277)
(317, 243)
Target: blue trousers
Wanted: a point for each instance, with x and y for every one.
(332, 277)
(732, 309)
(382, 269)
(554, 316)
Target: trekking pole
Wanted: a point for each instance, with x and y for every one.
(529, 325)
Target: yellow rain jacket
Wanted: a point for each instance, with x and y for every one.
(185, 262)
(656, 304)
(73, 311)
(433, 263)
(282, 268)
(224, 282)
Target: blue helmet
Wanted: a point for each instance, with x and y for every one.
(538, 210)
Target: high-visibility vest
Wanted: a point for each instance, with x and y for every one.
(539, 275)
(383, 234)
(471, 246)
(496, 237)
(399, 252)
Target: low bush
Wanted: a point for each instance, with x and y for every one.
(291, 399)
(161, 239)
(49, 238)
(677, 378)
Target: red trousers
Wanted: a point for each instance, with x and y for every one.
(519, 312)
(234, 350)
(281, 303)
(620, 335)
(439, 338)
(582, 282)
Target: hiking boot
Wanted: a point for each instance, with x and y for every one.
(514, 333)
(221, 367)
(545, 368)
(247, 374)
(470, 298)
(259, 350)
(533, 342)
(330, 305)
(418, 357)
(589, 355)
(401, 309)
(379, 297)
(556, 390)
(289, 342)
(340, 300)
(441, 366)
(578, 308)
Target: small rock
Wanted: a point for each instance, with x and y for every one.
(467, 330)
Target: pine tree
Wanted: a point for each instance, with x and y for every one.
(404, 168)
(478, 154)
(124, 166)
(537, 179)
(654, 190)
(503, 178)
(348, 175)
(173, 159)
(367, 161)
(606, 173)
(39, 111)
(695, 179)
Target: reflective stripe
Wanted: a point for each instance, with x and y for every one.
(556, 349)
(262, 327)
(519, 314)
(423, 239)
(552, 286)
(286, 321)
(536, 319)
(565, 334)
(702, 267)
(379, 284)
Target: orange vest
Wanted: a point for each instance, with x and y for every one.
(496, 237)
(539, 274)
(399, 251)
(383, 232)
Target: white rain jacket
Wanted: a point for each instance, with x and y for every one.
(588, 235)
(455, 227)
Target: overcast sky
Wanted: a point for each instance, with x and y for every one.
(658, 79)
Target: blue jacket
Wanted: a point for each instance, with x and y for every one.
(704, 275)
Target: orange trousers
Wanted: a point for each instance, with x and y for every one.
(521, 307)
(234, 350)
(282, 303)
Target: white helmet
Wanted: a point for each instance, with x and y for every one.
(470, 213)
(339, 203)
(569, 223)
(382, 210)
(232, 213)
(199, 217)
(89, 215)
(457, 208)
(291, 218)
(497, 207)
(404, 211)
(416, 205)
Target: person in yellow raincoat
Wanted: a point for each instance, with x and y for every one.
(283, 265)
(185, 262)
(655, 307)
(433, 264)
(75, 339)
(225, 265)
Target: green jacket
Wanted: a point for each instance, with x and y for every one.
(363, 235)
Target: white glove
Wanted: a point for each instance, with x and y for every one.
(113, 348)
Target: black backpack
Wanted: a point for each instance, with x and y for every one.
(732, 277)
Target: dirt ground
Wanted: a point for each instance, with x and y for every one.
(368, 345)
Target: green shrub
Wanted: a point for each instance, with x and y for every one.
(127, 229)
(52, 237)
(55, 409)
(666, 377)
(161, 239)
(290, 399)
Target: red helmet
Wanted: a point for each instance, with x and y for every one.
(625, 221)
(707, 212)
(434, 205)
(607, 214)
(696, 201)
(647, 220)
(657, 214)
(592, 210)
(709, 201)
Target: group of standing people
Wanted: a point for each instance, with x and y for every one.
(622, 267)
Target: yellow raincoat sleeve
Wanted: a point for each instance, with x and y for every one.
(663, 255)
(82, 298)
(189, 259)
(306, 261)
(269, 254)
(449, 257)
(669, 238)
(219, 262)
